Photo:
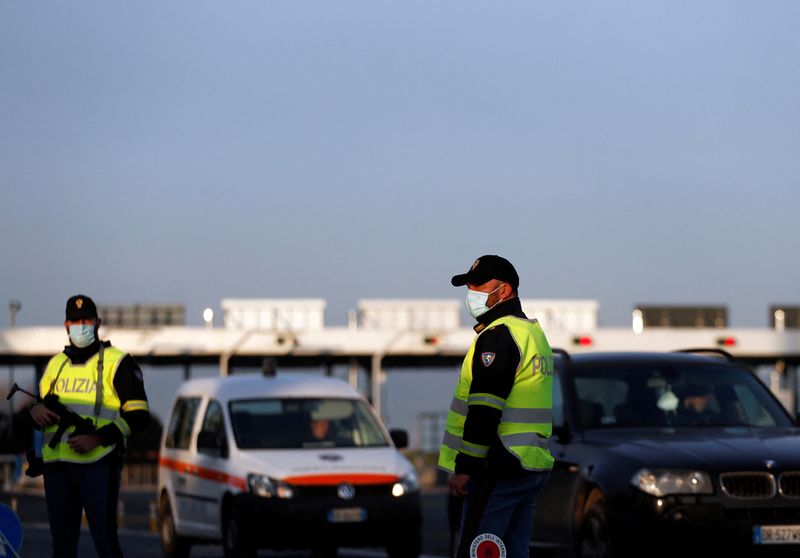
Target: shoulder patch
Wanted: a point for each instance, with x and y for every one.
(487, 359)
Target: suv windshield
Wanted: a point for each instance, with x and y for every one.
(673, 394)
(304, 423)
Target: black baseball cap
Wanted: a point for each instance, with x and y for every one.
(487, 268)
(81, 307)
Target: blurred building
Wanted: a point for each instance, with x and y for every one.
(574, 316)
(409, 314)
(273, 314)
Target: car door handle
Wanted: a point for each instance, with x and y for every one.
(181, 480)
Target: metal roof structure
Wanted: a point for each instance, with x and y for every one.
(389, 334)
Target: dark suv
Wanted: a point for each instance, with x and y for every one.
(668, 453)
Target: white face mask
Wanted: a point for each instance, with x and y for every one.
(476, 302)
(81, 335)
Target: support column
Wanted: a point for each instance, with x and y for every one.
(375, 383)
(352, 374)
(187, 371)
(224, 361)
(792, 375)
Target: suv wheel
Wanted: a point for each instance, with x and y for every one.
(236, 540)
(594, 540)
(173, 545)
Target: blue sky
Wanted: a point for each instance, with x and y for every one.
(190, 151)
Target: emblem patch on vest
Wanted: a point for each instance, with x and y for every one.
(487, 359)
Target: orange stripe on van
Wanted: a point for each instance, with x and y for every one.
(352, 478)
(202, 472)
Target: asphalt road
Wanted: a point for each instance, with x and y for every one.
(138, 541)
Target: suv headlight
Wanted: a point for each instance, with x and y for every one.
(267, 487)
(665, 482)
(406, 485)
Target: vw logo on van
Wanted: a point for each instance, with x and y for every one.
(346, 491)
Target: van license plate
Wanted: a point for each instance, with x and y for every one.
(776, 534)
(347, 515)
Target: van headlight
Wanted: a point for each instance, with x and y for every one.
(406, 485)
(267, 487)
(665, 482)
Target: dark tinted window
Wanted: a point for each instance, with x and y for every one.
(179, 432)
(674, 394)
(214, 421)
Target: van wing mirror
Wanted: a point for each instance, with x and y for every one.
(400, 438)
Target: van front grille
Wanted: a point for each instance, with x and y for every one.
(748, 485)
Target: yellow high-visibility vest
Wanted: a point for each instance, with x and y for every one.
(526, 423)
(87, 389)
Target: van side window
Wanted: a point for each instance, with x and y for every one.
(214, 424)
(179, 433)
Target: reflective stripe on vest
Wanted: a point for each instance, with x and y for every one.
(526, 423)
(76, 387)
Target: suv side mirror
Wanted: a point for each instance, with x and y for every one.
(400, 438)
(212, 442)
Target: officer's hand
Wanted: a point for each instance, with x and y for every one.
(42, 416)
(84, 443)
(458, 485)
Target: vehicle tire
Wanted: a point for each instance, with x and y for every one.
(407, 547)
(237, 542)
(594, 540)
(173, 545)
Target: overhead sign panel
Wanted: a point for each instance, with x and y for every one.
(140, 316)
(783, 316)
(409, 314)
(274, 314)
(650, 316)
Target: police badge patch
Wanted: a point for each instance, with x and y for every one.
(487, 359)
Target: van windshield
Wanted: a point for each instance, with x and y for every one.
(304, 423)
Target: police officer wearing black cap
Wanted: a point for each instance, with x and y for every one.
(500, 419)
(82, 472)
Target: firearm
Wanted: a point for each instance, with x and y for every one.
(66, 416)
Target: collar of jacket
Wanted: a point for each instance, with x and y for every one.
(80, 356)
(510, 307)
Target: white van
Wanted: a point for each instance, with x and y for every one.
(289, 461)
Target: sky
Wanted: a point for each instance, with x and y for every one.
(628, 152)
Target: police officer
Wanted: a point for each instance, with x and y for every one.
(500, 419)
(82, 472)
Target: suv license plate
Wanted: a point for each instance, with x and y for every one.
(347, 515)
(776, 534)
